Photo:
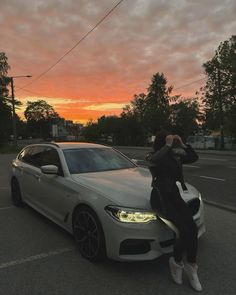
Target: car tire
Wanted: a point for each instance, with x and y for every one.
(88, 234)
(16, 193)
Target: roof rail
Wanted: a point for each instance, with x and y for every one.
(48, 142)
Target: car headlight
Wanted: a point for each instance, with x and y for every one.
(129, 215)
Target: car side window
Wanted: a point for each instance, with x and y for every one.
(50, 157)
(40, 156)
(25, 155)
(36, 156)
(22, 154)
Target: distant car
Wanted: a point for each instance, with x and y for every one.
(98, 195)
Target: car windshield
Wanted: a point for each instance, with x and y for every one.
(86, 160)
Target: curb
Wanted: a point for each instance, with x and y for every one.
(220, 206)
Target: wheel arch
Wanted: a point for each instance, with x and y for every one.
(83, 205)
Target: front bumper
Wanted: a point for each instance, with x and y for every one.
(140, 242)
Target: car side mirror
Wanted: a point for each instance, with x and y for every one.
(49, 169)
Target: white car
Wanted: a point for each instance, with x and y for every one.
(98, 195)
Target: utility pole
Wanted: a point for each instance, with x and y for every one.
(13, 112)
(14, 107)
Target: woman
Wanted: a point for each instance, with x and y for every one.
(166, 168)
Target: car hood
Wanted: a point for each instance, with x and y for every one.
(126, 187)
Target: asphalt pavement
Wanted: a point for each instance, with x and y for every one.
(37, 257)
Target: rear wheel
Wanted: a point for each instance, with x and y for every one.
(16, 193)
(89, 234)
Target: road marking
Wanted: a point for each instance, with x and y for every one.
(9, 207)
(191, 166)
(34, 257)
(214, 178)
(212, 159)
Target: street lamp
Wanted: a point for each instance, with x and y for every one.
(13, 106)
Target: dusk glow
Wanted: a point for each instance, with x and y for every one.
(118, 59)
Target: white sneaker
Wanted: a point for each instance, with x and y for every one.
(191, 272)
(176, 271)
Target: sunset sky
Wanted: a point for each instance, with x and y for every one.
(118, 59)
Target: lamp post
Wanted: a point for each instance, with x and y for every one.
(13, 106)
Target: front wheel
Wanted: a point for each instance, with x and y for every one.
(16, 193)
(89, 234)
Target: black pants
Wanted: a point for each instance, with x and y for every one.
(177, 211)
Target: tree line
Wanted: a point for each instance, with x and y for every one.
(212, 109)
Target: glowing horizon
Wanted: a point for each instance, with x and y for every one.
(118, 59)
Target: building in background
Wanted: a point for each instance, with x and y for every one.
(66, 130)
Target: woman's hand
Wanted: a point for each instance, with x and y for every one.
(179, 141)
(169, 139)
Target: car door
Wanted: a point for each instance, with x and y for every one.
(53, 193)
(30, 173)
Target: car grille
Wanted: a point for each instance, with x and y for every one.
(194, 205)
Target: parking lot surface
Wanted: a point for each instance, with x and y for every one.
(37, 257)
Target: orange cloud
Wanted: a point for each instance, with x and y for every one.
(119, 58)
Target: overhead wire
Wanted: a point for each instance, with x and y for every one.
(188, 84)
(180, 87)
(73, 47)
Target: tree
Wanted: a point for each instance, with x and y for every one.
(5, 110)
(184, 117)
(158, 109)
(4, 67)
(230, 122)
(5, 121)
(132, 132)
(109, 128)
(40, 115)
(152, 109)
(136, 108)
(39, 110)
(91, 132)
(220, 89)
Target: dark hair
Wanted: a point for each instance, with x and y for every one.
(160, 139)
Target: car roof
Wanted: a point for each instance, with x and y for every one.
(72, 145)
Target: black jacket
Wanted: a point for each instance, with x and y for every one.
(166, 167)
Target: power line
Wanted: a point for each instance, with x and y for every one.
(45, 96)
(193, 82)
(72, 48)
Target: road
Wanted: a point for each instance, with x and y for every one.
(37, 257)
(213, 175)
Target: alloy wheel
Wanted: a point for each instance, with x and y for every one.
(87, 234)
